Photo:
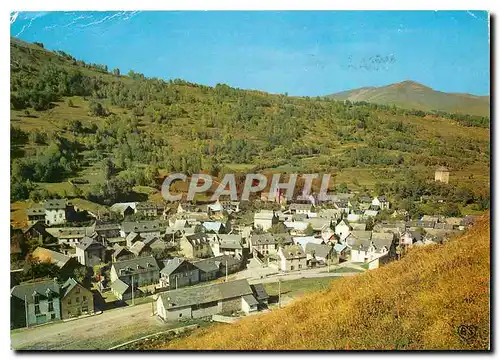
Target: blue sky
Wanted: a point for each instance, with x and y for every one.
(298, 52)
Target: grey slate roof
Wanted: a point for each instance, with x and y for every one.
(293, 252)
(319, 250)
(250, 300)
(36, 210)
(203, 294)
(259, 292)
(68, 286)
(141, 226)
(136, 266)
(55, 204)
(215, 263)
(86, 242)
(171, 265)
(119, 286)
(270, 239)
(53, 256)
(41, 288)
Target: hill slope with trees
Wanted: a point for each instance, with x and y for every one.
(115, 135)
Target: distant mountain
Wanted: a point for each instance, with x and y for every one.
(412, 95)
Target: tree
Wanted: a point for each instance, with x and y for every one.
(96, 109)
(116, 72)
(278, 228)
(107, 168)
(69, 102)
(309, 230)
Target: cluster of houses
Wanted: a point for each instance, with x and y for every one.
(171, 249)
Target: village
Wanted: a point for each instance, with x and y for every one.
(212, 260)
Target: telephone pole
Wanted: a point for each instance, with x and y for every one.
(226, 270)
(176, 282)
(133, 290)
(279, 293)
(26, 308)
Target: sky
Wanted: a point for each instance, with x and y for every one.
(302, 53)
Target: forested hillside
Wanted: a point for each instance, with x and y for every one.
(117, 134)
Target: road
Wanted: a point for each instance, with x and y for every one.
(94, 332)
(255, 273)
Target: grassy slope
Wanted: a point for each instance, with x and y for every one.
(415, 303)
(412, 95)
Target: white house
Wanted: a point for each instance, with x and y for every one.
(55, 211)
(381, 201)
(343, 229)
(265, 219)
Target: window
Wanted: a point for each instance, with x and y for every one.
(52, 316)
(77, 290)
(77, 300)
(37, 309)
(69, 301)
(292, 267)
(84, 298)
(300, 266)
(36, 298)
(51, 306)
(180, 315)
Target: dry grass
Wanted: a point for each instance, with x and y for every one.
(413, 304)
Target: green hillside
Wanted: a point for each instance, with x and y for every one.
(119, 133)
(412, 95)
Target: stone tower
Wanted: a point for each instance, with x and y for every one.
(442, 174)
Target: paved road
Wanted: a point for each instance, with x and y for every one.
(93, 332)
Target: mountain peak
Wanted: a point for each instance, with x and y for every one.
(410, 83)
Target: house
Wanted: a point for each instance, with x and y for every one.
(55, 211)
(217, 266)
(265, 219)
(155, 244)
(364, 248)
(108, 230)
(121, 290)
(358, 226)
(39, 232)
(63, 262)
(140, 248)
(35, 303)
(187, 208)
(215, 227)
(124, 209)
(149, 209)
(121, 253)
(322, 253)
(430, 219)
(341, 205)
(304, 240)
(301, 208)
(151, 228)
(318, 224)
(328, 234)
(342, 251)
(178, 273)
(292, 258)
(202, 301)
(35, 214)
(370, 213)
(90, 252)
(260, 294)
(380, 202)
(442, 174)
(71, 235)
(227, 245)
(142, 271)
(332, 214)
(196, 246)
(408, 238)
(76, 300)
(359, 242)
(132, 238)
(343, 229)
(267, 244)
(296, 226)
